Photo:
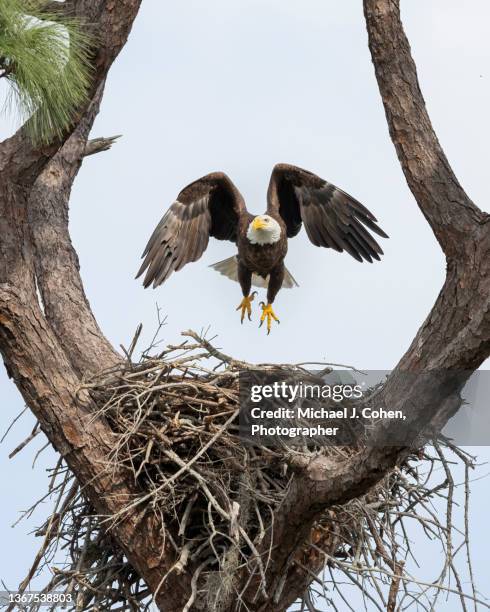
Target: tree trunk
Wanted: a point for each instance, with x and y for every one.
(49, 345)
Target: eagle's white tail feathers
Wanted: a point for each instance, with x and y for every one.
(229, 268)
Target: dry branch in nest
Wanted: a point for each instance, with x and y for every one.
(175, 419)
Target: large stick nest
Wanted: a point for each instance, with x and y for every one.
(175, 419)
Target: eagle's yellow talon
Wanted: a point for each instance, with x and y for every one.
(267, 315)
(246, 306)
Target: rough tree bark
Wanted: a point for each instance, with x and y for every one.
(48, 346)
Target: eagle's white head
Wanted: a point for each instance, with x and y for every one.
(264, 230)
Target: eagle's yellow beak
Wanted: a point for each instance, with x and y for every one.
(258, 224)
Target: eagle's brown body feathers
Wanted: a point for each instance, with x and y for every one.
(213, 207)
(265, 260)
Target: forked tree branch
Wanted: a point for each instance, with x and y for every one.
(48, 347)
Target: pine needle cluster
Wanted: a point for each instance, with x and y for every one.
(46, 60)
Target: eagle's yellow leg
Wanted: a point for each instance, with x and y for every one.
(246, 306)
(267, 315)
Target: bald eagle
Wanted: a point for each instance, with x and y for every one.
(213, 207)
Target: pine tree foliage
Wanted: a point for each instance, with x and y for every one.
(45, 59)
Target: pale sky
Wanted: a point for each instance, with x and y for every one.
(239, 86)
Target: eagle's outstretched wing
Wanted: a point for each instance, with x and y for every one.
(210, 206)
(332, 218)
